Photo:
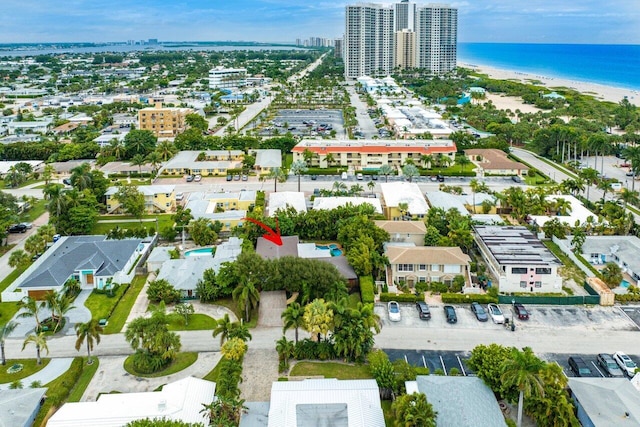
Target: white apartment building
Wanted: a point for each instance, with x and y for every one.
(227, 78)
(372, 42)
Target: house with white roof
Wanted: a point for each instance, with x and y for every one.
(328, 203)
(622, 250)
(180, 400)
(575, 211)
(402, 200)
(446, 201)
(283, 200)
(330, 402)
(266, 160)
(205, 163)
(604, 402)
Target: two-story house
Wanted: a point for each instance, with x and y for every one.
(157, 198)
(413, 264)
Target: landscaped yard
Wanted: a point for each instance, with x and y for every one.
(127, 221)
(29, 367)
(231, 305)
(36, 211)
(122, 310)
(6, 248)
(101, 305)
(183, 361)
(7, 311)
(82, 384)
(197, 322)
(341, 371)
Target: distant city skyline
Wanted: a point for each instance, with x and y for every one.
(538, 21)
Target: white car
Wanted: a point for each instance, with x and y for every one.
(627, 365)
(495, 313)
(197, 178)
(394, 311)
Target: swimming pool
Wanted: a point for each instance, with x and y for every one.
(624, 284)
(333, 248)
(200, 252)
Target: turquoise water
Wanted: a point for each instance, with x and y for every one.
(624, 283)
(614, 65)
(335, 251)
(199, 252)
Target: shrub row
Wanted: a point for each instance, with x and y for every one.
(450, 298)
(627, 298)
(366, 289)
(119, 296)
(57, 395)
(307, 349)
(430, 172)
(386, 297)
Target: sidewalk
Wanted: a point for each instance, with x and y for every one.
(53, 370)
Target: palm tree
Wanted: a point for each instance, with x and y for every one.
(410, 171)
(426, 160)
(356, 189)
(166, 149)
(330, 159)
(18, 258)
(5, 331)
(477, 187)
(371, 186)
(81, 176)
(223, 327)
(59, 304)
(523, 370)
(138, 160)
(628, 196)
(276, 174)
(88, 331)
(293, 318)
(462, 160)
(154, 159)
(246, 295)
(285, 348)
(240, 330)
(40, 342)
(386, 170)
(55, 193)
(47, 173)
(298, 168)
(32, 308)
(590, 176)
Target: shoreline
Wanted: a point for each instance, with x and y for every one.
(599, 91)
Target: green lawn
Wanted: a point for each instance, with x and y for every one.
(101, 305)
(183, 361)
(231, 305)
(127, 221)
(197, 322)
(7, 311)
(30, 367)
(122, 310)
(214, 373)
(12, 276)
(354, 299)
(341, 371)
(389, 419)
(84, 380)
(36, 211)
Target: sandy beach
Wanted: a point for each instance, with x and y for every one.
(601, 92)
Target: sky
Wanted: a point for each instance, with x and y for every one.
(519, 21)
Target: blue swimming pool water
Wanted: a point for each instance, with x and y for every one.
(199, 252)
(624, 283)
(335, 251)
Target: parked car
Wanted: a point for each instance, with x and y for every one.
(480, 313)
(229, 178)
(189, 178)
(29, 225)
(245, 177)
(580, 367)
(236, 177)
(609, 366)
(521, 312)
(450, 313)
(627, 365)
(374, 177)
(394, 311)
(495, 313)
(314, 177)
(197, 178)
(179, 197)
(66, 181)
(423, 310)
(359, 177)
(17, 228)
(440, 178)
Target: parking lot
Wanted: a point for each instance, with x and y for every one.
(306, 123)
(541, 317)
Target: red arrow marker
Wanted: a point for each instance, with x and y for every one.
(272, 236)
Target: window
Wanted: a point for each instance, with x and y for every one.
(518, 270)
(422, 267)
(523, 284)
(543, 270)
(422, 279)
(405, 267)
(538, 284)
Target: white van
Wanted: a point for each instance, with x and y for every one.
(616, 186)
(344, 175)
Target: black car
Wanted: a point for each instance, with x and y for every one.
(374, 177)
(580, 367)
(314, 177)
(66, 181)
(440, 178)
(450, 312)
(521, 312)
(479, 311)
(17, 228)
(229, 177)
(423, 310)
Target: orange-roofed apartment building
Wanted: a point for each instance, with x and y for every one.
(370, 154)
(163, 122)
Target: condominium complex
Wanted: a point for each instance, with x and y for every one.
(163, 122)
(380, 37)
(227, 78)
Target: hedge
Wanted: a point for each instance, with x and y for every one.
(366, 289)
(431, 172)
(625, 298)
(451, 298)
(386, 297)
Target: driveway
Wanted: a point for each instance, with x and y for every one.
(53, 370)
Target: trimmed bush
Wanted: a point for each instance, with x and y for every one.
(386, 297)
(366, 289)
(58, 395)
(450, 298)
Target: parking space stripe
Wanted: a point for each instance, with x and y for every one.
(595, 366)
(424, 362)
(461, 367)
(444, 368)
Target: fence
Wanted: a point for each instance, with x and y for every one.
(551, 300)
(141, 267)
(568, 252)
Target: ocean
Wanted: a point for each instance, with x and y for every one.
(611, 65)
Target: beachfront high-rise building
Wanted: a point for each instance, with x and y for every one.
(379, 37)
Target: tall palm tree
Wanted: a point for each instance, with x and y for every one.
(18, 258)
(426, 160)
(154, 159)
(477, 187)
(293, 318)
(32, 309)
(55, 193)
(166, 150)
(386, 170)
(628, 196)
(88, 331)
(298, 168)
(462, 160)
(40, 342)
(590, 176)
(223, 327)
(523, 370)
(277, 174)
(246, 295)
(138, 160)
(5, 331)
(81, 176)
(371, 186)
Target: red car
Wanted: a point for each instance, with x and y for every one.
(521, 312)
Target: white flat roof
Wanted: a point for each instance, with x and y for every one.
(282, 199)
(328, 203)
(577, 212)
(395, 193)
(147, 190)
